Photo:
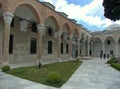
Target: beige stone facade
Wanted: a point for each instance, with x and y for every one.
(55, 32)
(32, 31)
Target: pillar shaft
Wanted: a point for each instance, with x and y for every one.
(59, 46)
(39, 43)
(88, 49)
(70, 46)
(103, 48)
(84, 49)
(78, 47)
(6, 35)
(116, 49)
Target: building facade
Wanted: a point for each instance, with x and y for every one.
(32, 31)
(106, 42)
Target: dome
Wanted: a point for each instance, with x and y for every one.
(113, 27)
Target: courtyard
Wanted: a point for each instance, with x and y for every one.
(92, 74)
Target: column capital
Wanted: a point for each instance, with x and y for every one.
(71, 36)
(40, 27)
(8, 17)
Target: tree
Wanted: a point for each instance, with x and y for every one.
(112, 9)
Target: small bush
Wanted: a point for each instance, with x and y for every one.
(77, 59)
(112, 60)
(6, 68)
(54, 77)
(116, 66)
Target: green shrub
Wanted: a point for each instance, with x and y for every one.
(77, 59)
(54, 77)
(116, 66)
(112, 60)
(6, 68)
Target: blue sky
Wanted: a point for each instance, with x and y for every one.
(89, 13)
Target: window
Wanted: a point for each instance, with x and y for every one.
(108, 42)
(111, 52)
(62, 48)
(49, 47)
(90, 52)
(34, 27)
(66, 48)
(33, 46)
(80, 51)
(11, 44)
(12, 23)
(119, 41)
(50, 31)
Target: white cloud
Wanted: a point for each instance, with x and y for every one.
(92, 13)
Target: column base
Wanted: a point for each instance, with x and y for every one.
(4, 63)
(71, 59)
(59, 60)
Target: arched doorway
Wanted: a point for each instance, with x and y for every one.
(65, 41)
(96, 47)
(23, 35)
(75, 43)
(110, 46)
(82, 44)
(50, 39)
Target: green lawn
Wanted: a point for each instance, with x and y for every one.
(39, 75)
(116, 66)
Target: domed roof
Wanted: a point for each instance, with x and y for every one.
(113, 27)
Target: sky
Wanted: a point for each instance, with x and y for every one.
(89, 13)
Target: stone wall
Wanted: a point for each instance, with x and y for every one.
(21, 43)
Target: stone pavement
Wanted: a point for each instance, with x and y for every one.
(93, 74)
(12, 82)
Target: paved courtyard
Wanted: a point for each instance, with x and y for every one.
(93, 74)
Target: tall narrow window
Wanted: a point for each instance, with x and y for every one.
(33, 47)
(50, 31)
(111, 52)
(11, 44)
(108, 42)
(34, 27)
(62, 48)
(49, 47)
(66, 48)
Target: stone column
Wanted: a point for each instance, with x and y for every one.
(84, 44)
(88, 49)
(70, 46)
(78, 46)
(103, 48)
(116, 49)
(6, 35)
(59, 46)
(40, 29)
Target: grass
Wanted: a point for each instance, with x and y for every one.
(116, 66)
(39, 75)
(112, 60)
